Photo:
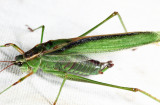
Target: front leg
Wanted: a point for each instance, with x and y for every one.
(14, 46)
(20, 80)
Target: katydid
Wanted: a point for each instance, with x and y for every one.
(65, 57)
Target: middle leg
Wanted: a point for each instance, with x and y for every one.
(42, 33)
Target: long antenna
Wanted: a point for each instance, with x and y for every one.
(7, 61)
(12, 63)
(7, 67)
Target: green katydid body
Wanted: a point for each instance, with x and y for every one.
(66, 54)
(64, 57)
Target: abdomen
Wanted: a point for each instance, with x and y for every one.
(89, 67)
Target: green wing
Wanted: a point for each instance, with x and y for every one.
(104, 43)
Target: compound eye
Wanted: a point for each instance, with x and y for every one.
(19, 63)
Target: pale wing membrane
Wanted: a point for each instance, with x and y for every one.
(65, 58)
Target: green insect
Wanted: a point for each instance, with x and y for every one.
(65, 57)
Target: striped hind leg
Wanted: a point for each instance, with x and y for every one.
(105, 20)
(82, 79)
